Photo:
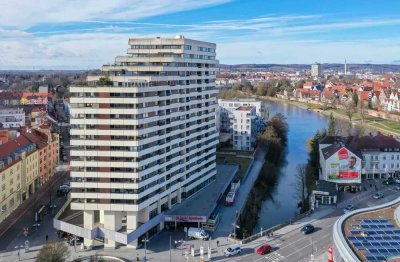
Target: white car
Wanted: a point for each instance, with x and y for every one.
(232, 250)
(397, 180)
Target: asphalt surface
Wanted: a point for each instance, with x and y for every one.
(297, 247)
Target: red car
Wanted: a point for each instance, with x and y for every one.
(264, 249)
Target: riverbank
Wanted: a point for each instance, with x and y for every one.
(370, 122)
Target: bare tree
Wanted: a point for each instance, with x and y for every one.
(301, 186)
(349, 109)
(362, 110)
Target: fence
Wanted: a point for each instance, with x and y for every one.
(274, 228)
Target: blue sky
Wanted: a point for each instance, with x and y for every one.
(84, 34)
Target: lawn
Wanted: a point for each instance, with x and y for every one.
(243, 162)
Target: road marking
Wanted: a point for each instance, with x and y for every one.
(274, 257)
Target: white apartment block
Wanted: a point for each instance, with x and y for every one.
(12, 117)
(244, 133)
(230, 112)
(144, 136)
(316, 70)
(232, 104)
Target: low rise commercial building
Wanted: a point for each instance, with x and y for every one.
(348, 160)
(12, 117)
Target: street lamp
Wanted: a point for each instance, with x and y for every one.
(145, 249)
(312, 250)
(19, 247)
(170, 255)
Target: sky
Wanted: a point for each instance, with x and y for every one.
(85, 34)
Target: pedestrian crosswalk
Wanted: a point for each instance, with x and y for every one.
(274, 257)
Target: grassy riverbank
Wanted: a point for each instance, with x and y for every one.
(274, 139)
(370, 122)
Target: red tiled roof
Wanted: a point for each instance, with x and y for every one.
(11, 146)
(363, 95)
(36, 137)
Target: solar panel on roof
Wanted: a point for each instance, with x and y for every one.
(380, 258)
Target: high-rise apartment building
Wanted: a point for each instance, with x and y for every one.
(143, 136)
(316, 70)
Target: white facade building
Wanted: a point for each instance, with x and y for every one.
(143, 135)
(231, 113)
(232, 104)
(316, 70)
(244, 131)
(12, 117)
(378, 155)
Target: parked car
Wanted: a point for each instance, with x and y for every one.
(388, 182)
(349, 208)
(378, 195)
(232, 250)
(264, 249)
(308, 229)
(397, 180)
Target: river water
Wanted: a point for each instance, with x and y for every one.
(282, 203)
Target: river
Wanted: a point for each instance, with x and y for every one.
(282, 205)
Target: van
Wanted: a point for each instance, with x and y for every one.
(194, 232)
(232, 250)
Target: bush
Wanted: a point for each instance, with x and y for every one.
(53, 251)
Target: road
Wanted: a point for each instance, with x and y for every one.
(296, 247)
(14, 235)
(227, 214)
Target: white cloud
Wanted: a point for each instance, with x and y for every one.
(266, 39)
(25, 13)
(292, 52)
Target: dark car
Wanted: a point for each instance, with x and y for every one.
(388, 182)
(308, 229)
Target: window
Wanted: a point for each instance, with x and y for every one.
(153, 213)
(384, 157)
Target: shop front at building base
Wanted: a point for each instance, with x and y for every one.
(325, 194)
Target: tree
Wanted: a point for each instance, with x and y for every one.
(301, 183)
(54, 251)
(300, 83)
(35, 87)
(331, 126)
(260, 88)
(104, 81)
(362, 110)
(349, 110)
(280, 125)
(355, 98)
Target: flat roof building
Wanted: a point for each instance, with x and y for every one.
(144, 137)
